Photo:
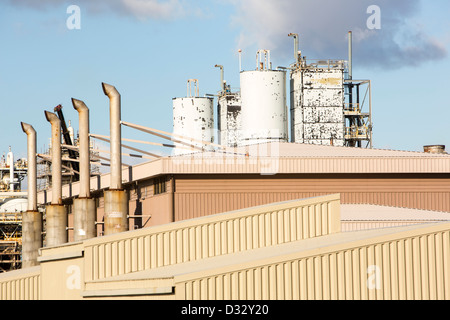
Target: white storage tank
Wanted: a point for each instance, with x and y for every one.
(193, 119)
(14, 205)
(263, 99)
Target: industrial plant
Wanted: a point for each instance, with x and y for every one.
(263, 196)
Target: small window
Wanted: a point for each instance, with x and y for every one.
(159, 185)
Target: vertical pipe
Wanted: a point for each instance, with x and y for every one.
(84, 208)
(358, 120)
(172, 200)
(370, 113)
(32, 166)
(115, 133)
(10, 157)
(56, 216)
(116, 201)
(83, 114)
(240, 60)
(56, 157)
(221, 77)
(68, 139)
(350, 56)
(32, 219)
(350, 84)
(295, 36)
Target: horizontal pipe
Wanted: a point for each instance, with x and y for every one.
(92, 162)
(131, 148)
(169, 136)
(48, 158)
(141, 141)
(129, 155)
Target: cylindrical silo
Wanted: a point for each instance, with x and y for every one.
(193, 118)
(296, 101)
(263, 100)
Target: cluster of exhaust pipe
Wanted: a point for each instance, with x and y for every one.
(84, 207)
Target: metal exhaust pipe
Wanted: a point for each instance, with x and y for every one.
(10, 160)
(115, 134)
(83, 116)
(222, 87)
(56, 217)
(32, 166)
(116, 199)
(84, 207)
(56, 157)
(295, 36)
(32, 219)
(350, 56)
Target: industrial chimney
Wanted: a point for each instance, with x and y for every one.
(32, 219)
(56, 215)
(116, 199)
(84, 207)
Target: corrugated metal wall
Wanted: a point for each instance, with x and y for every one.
(211, 236)
(199, 197)
(384, 163)
(15, 285)
(187, 204)
(411, 268)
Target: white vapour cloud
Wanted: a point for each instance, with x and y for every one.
(323, 26)
(153, 8)
(142, 9)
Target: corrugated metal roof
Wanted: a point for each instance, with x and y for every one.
(285, 149)
(310, 150)
(365, 212)
(259, 256)
(278, 158)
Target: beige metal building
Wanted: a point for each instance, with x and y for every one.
(287, 250)
(270, 221)
(182, 187)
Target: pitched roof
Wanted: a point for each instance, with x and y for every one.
(278, 158)
(367, 212)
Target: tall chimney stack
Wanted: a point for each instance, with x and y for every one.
(56, 215)
(84, 208)
(32, 219)
(116, 199)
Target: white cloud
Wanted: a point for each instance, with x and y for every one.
(154, 9)
(322, 26)
(142, 9)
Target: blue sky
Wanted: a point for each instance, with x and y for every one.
(148, 49)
